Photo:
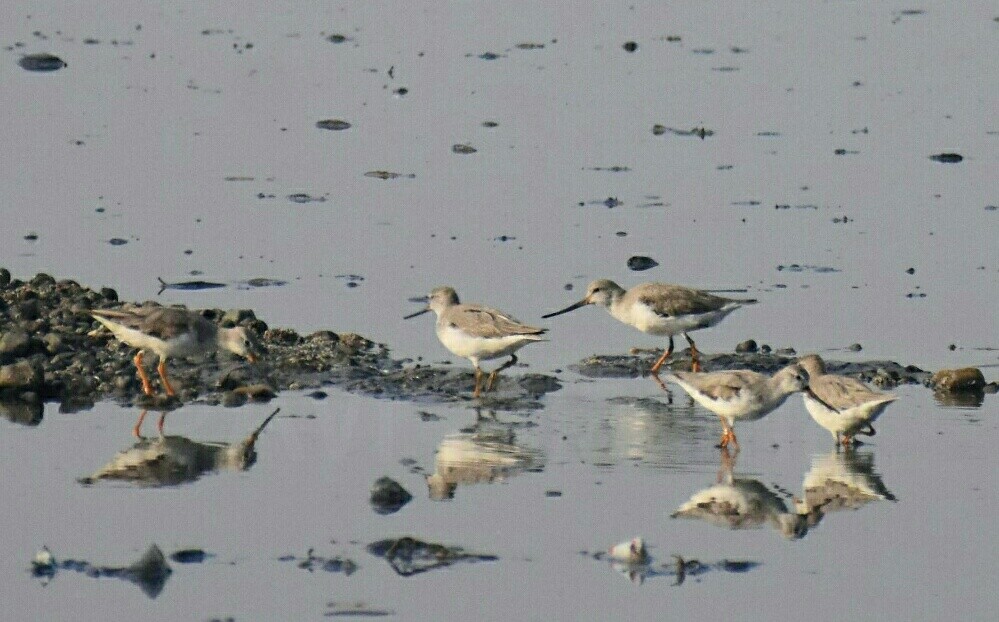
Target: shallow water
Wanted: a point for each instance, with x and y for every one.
(173, 134)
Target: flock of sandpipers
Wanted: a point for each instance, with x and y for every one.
(842, 405)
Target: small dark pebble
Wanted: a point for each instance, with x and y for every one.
(658, 130)
(319, 395)
(336, 38)
(640, 262)
(189, 556)
(31, 237)
(117, 241)
(553, 493)
(910, 271)
(991, 208)
(490, 124)
(621, 234)
(401, 91)
(41, 62)
(748, 345)
(952, 347)
(463, 149)
(630, 46)
(567, 287)
(388, 496)
(947, 158)
(856, 347)
(333, 124)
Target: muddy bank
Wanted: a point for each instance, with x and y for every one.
(51, 349)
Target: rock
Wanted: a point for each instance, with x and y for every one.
(234, 317)
(232, 399)
(630, 46)
(746, 346)
(640, 262)
(947, 158)
(463, 149)
(257, 392)
(41, 62)
(21, 375)
(333, 124)
(4, 277)
(958, 380)
(388, 496)
(14, 343)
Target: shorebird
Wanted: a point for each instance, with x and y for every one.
(840, 404)
(741, 394)
(478, 333)
(171, 332)
(660, 309)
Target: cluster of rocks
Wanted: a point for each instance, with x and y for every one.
(51, 349)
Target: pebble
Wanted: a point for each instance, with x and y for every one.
(640, 262)
(388, 496)
(958, 380)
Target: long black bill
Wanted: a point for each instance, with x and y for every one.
(572, 307)
(818, 399)
(420, 312)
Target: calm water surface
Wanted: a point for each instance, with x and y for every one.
(171, 122)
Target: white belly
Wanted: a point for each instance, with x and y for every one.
(646, 320)
(848, 421)
(475, 349)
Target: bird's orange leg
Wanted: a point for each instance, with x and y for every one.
(695, 355)
(662, 359)
(478, 382)
(495, 373)
(847, 440)
(161, 368)
(159, 422)
(147, 387)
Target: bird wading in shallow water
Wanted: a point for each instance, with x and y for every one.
(171, 332)
(840, 404)
(660, 309)
(741, 394)
(478, 333)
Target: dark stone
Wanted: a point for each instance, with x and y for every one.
(748, 345)
(630, 46)
(640, 262)
(388, 496)
(4, 277)
(463, 149)
(958, 380)
(23, 375)
(333, 124)
(41, 62)
(947, 158)
(189, 556)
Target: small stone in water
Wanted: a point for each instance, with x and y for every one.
(640, 262)
(630, 46)
(117, 241)
(332, 124)
(947, 158)
(41, 62)
(464, 149)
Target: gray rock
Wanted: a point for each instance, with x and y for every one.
(748, 345)
(388, 496)
(13, 343)
(20, 375)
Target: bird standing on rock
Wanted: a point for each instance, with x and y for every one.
(660, 309)
(172, 332)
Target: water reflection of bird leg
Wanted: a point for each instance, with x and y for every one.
(161, 368)
(495, 373)
(147, 386)
(654, 372)
(695, 356)
(727, 464)
(137, 429)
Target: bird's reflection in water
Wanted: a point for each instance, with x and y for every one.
(743, 503)
(486, 454)
(663, 434)
(841, 480)
(171, 460)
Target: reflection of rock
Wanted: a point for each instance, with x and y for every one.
(742, 503)
(150, 572)
(961, 399)
(478, 458)
(842, 480)
(409, 556)
(172, 460)
(24, 413)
